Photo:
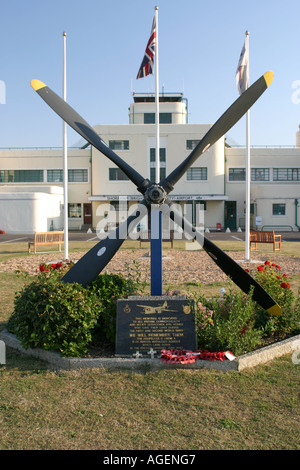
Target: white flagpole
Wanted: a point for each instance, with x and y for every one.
(156, 215)
(248, 169)
(65, 161)
(157, 100)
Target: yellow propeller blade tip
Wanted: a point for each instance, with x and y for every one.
(37, 84)
(274, 310)
(268, 76)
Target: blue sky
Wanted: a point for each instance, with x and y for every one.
(199, 47)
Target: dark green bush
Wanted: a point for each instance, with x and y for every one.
(54, 316)
(109, 288)
(65, 317)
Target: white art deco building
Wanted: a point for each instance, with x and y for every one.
(100, 195)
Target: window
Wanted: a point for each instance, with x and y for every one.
(162, 157)
(21, 176)
(116, 174)
(164, 118)
(119, 144)
(54, 176)
(278, 209)
(191, 144)
(162, 174)
(77, 176)
(260, 174)
(74, 210)
(286, 174)
(197, 174)
(74, 176)
(149, 118)
(237, 174)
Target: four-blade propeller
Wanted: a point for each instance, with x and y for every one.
(94, 261)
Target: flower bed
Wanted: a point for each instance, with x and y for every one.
(69, 318)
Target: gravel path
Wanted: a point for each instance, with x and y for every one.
(178, 266)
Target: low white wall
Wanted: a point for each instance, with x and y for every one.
(29, 212)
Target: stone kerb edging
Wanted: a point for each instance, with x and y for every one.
(252, 359)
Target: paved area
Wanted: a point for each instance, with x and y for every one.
(83, 236)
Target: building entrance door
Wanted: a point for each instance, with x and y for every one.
(87, 214)
(230, 215)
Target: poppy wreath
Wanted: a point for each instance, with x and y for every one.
(184, 356)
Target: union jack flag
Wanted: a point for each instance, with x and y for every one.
(242, 72)
(146, 67)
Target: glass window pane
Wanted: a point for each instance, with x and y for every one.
(74, 210)
(149, 118)
(197, 174)
(119, 144)
(116, 174)
(237, 174)
(54, 176)
(28, 176)
(278, 209)
(260, 174)
(78, 176)
(191, 144)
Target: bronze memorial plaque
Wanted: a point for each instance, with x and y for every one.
(147, 325)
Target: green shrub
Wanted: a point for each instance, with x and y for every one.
(270, 277)
(66, 317)
(54, 316)
(235, 322)
(109, 288)
(227, 323)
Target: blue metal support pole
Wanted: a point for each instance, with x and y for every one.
(156, 252)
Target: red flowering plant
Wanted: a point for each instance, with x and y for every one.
(227, 323)
(270, 276)
(59, 266)
(235, 322)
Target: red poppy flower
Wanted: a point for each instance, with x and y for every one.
(285, 285)
(260, 268)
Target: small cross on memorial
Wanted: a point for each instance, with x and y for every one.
(137, 355)
(151, 352)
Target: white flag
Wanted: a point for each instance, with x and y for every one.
(242, 72)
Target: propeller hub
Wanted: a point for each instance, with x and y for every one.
(155, 194)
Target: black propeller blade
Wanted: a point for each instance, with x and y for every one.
(224, 123)
(93, 262)
(238, 275)
(71, 117)
(87, 268)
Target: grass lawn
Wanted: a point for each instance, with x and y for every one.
(122, 410)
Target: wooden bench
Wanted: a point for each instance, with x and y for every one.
(166, 237)
(46, 238)
(257, 236)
